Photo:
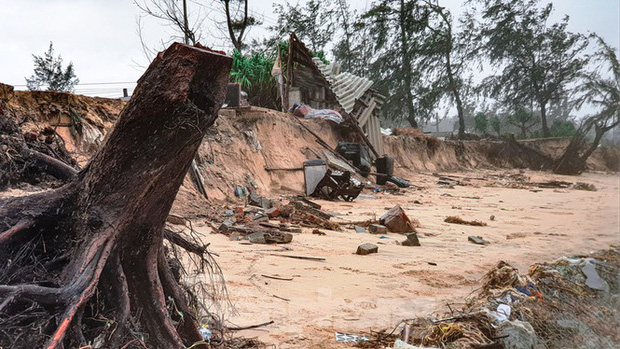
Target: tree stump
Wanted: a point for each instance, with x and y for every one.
(93, 248)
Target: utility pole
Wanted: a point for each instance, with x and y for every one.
(185, 25)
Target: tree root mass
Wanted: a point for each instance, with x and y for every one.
(85, 264)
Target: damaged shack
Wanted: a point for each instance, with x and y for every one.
(310, 81)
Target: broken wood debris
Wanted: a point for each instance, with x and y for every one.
(249, 327)
(276, 277)
(320, 259)
(309, 216)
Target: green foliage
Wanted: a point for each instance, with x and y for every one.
(397, 28)
(562, 128)
(320, 55)
(600, 91)
(48, 72)
(253, 73)
(524, 119)
(496, 124)
(481, 123)
(311, 23)
(536, 61)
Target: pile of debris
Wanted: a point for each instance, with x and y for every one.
(394, 220)
(571, 302)
(516, 180)
(264, 222)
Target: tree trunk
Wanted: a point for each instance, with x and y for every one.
(543, 119)
(571, 162)
(102, 233)
(597, 140)
(406, 66)
(456, 94)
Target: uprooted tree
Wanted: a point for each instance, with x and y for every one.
(93, 248)
(604, 94)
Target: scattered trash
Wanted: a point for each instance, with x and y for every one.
(367, 248)
(593, 280)
(477, 240)
(459, 220)
(241, 191)
(502, 313)
(401, 183)
(307, 112)
(256, 234)
(206, 334)
(584, 186)
(349, 338)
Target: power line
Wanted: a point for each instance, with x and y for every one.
(93, 83)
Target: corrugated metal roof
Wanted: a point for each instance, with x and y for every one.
(346, 86)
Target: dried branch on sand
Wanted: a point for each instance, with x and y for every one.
(459, 220)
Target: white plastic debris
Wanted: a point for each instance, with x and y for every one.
(502, 313)
(386, 131)
(206, 334)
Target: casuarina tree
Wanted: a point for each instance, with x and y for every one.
(537, 61)
(601, 91)
(49, 73)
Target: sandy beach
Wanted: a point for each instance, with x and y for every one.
(354, 294)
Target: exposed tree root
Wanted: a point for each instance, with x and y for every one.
(85, 264)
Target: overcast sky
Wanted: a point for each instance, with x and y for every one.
(99, 36)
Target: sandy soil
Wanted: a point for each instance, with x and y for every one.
(353, 294)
